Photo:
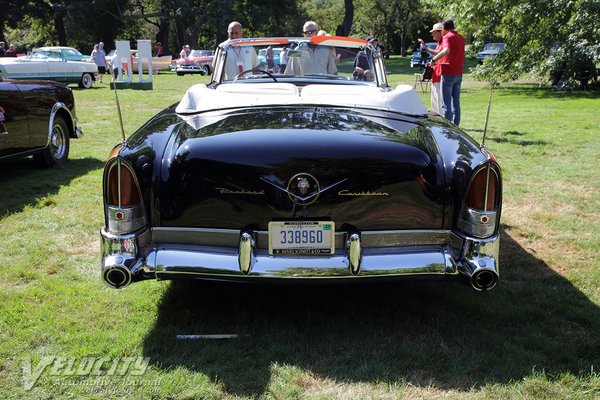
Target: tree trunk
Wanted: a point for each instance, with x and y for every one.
(59, 25)
(346, 27)
(163, 34)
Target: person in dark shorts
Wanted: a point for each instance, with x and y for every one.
(99, 57)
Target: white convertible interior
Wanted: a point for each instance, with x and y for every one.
(200, 98)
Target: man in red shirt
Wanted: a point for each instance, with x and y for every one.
(452, 60)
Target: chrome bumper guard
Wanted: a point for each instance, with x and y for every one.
(167, 253)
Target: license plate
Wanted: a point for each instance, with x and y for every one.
(301, 237)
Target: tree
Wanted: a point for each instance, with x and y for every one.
(543, 36)
(395, 21)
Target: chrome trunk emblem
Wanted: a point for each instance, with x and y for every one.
(300, 185)
(302, 189)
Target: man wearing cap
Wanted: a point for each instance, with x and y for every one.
(185, 51)
(451, 59)
(436, 96)
(99, 57)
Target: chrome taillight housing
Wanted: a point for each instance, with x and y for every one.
(123, 207)
(482, 202)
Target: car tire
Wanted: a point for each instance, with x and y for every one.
(57, 151)
(204, 70)
(180, 73)
(87, 80)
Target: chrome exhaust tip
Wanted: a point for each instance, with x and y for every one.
(484, 279)
(116, 277)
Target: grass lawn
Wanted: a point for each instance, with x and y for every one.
(536, 336)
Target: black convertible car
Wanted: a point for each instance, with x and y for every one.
(36, 118)
(318, 172)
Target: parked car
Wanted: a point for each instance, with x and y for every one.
(158, 63)
(67, 53)
(490, 50)
(313, 176)
(420, 58)
(49, 64)
(198, 62)
(262, 56)
(36, 118)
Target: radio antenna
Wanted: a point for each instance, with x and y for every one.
(487, 114)
(114, 84)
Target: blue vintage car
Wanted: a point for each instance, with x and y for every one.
(420, 58)
(311, 175)
(490, 50)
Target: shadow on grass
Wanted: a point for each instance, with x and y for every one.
(546, 92)
(426, 334)
(24, 183)
(511, 138)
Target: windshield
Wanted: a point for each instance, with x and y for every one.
(44, 54)
(494, 46)
(201, 53)
(332, 59)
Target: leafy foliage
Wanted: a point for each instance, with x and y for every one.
(556, 38)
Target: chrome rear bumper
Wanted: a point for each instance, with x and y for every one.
(165, 253)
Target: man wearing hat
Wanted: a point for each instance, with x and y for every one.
(99, 57)
(185, 51)
(436, 96)
(452, 60)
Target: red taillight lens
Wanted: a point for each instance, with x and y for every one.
(122, 190)
(484, 193)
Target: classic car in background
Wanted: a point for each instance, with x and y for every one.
(161, 63)
(158, 63)
(36, 118)
(420, 58)
(262, 56)
(308, 175)
(67, 53)
(49, 64)
(198, 62)
(489, 50)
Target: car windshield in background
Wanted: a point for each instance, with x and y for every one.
(494, 46)
(328, 58)
(43, 54)
(201, 53)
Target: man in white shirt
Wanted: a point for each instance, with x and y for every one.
(239, 58)
(311, 59)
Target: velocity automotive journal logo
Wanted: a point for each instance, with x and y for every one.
(73, 369)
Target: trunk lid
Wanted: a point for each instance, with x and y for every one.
(245, 169)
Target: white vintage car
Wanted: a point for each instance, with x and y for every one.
(49, 64)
